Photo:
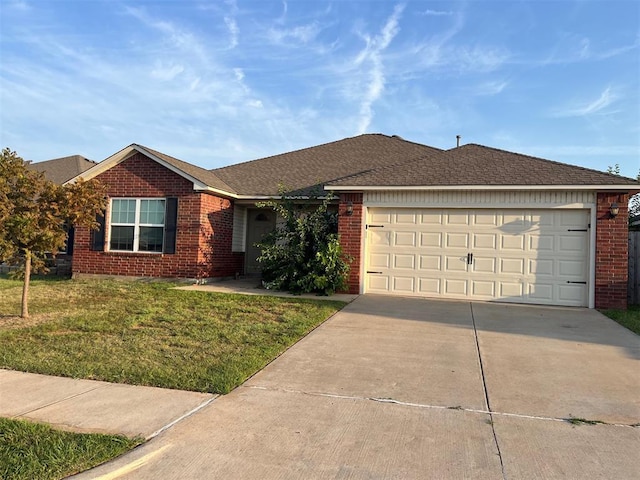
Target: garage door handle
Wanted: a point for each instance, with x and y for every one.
(582, 283)
(469, 258)
(369, 271)
(373, 226)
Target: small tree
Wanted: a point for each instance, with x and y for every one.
(303, 254)
(35, 215)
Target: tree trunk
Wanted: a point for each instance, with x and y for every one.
(25, 285)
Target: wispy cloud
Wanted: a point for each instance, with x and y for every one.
(490, 88)
(166, 72)
(606, 98)
(372, 55)
(232, 24)
(436, 13)
(302, 33)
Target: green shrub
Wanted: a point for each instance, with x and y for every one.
(303, 254)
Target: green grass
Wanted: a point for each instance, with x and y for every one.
(627, 318)
(146, 333)
(34, 451)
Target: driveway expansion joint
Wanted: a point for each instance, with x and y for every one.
(436, 407)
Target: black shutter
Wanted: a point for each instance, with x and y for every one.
(70, 235)
(170, 222)
(97, 236)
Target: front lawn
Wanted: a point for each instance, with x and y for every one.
(146, 333)
(32, 450)
(627, 318)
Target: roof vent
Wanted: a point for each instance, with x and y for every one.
(458, 137)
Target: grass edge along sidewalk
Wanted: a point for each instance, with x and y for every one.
(148, 333)
(30, 450)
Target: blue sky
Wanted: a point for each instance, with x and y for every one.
(218, 82)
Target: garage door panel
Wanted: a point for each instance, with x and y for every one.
(404, 239)
(379, 283)
(513, 220)
(429, 286)
(486, 218)
(404, 261)
(571, 294)
(571, 219)
(403, 284)
(379, 260)
(431, 239)
(541, 292)
(481, 288)
(512, 242)
(524, 256)
(455, 263)
(431, 218)
(483, 264)
(457, 218)
(455, 287)
(539, 267)
(430, 262)
(484, 240)
(541, 243)
(572, 243)
(457, 240)
(510, 289)
(380, 217)
(511, 266)
(405, 218)
(571, 268)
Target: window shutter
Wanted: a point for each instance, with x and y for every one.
(170, 222)
(97, 236)
(70, 236)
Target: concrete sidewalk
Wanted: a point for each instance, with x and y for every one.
(95, 407)
(251, 286)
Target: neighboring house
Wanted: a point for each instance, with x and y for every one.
(60, 170)
(472, 222)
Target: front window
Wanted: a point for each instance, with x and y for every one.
(137, 225)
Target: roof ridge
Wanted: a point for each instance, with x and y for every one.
(313, 147)
(555, 162)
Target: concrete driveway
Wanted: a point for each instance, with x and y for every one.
(412, 388)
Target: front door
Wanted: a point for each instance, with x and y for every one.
(260, 222)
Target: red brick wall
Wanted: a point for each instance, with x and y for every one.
(612, 245)
(350, 231)
(216, 256)
(139, 176)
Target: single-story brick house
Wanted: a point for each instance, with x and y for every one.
(471, 222)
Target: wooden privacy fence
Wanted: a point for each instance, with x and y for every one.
(634, 268)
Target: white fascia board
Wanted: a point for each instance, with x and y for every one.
(612, 188)
(127, 152)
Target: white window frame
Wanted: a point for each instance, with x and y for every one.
(136, 225)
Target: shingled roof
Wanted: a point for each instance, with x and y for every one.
(203, 175)
(59, 170)
(477, 165)
(304, 170)
(376, 161)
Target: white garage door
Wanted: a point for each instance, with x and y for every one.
(524, 256)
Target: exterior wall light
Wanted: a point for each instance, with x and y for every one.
(614, 210)
(349, 209)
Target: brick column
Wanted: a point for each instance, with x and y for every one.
(350, 231)
(612, 250)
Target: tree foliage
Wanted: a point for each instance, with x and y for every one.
(35, 215)
(634, 200)
(303, 254)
